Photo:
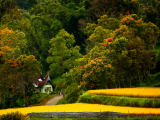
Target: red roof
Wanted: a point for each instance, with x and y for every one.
(41, 81)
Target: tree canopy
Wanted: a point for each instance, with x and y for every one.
(91, 43)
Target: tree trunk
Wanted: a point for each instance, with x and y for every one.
(149, 65)
(130, 81)
(0, 96)
(144, 75)
(139, 78)
(119, 83)
(124, 84)
(115, 84)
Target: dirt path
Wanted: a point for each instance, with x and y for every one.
(54, 100)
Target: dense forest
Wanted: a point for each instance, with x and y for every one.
(92, 44)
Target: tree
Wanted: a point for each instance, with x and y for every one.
(98, 33)
(98, 36)
(6, 6)
(63, 54)
(12, 44)
(17, 75)
(128, 48)
(62, 14)
(25, 4)
(114, 8)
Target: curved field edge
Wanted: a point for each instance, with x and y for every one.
(141, 92)
(128, 118)
(82, 107)
(119, 101)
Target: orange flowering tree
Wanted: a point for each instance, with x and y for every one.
(150, 31)
(12, 44)
(128, 47)
(17, 76)
(98, 33)
(139, 45)
(122, 57)
(97, 74)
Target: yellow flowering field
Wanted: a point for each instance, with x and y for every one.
(82, 107)
(130, 92)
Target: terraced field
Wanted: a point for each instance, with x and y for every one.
(131, 97)
(129, 92)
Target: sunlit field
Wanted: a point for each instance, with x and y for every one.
(130, 92)
(82, 107)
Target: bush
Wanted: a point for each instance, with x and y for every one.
(53, 92)
(14, 116)
(33, 99)
(20, 102)
(72, 93)
(62, 101)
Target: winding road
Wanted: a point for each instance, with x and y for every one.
(54, 100)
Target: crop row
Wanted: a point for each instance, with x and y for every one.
(129, 92)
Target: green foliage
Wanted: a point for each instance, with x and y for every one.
(14, 116)
(62, 101)
(98, 36)
(6, 6)
(59, 85)
(25, 4)
(98, 8)
(119, 101)
(12, 43)
(118, 51)
(17, 80)
(57, 79)
(108, 23)
(63, 53)
(72, 93)
(97, 75)
(36, 98)
(22, 70)
(74, 76)
(90, 29)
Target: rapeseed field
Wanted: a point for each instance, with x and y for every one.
(129, 92)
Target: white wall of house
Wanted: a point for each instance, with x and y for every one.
(46, 88)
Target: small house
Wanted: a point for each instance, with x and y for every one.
(44, 84)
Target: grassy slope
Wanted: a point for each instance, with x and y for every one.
(55, 80)
(62, 101)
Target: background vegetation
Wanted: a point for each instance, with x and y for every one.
(92, 44)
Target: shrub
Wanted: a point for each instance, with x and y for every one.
(72, 93)
(62, 101)
(14, 116)
(20, 102)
